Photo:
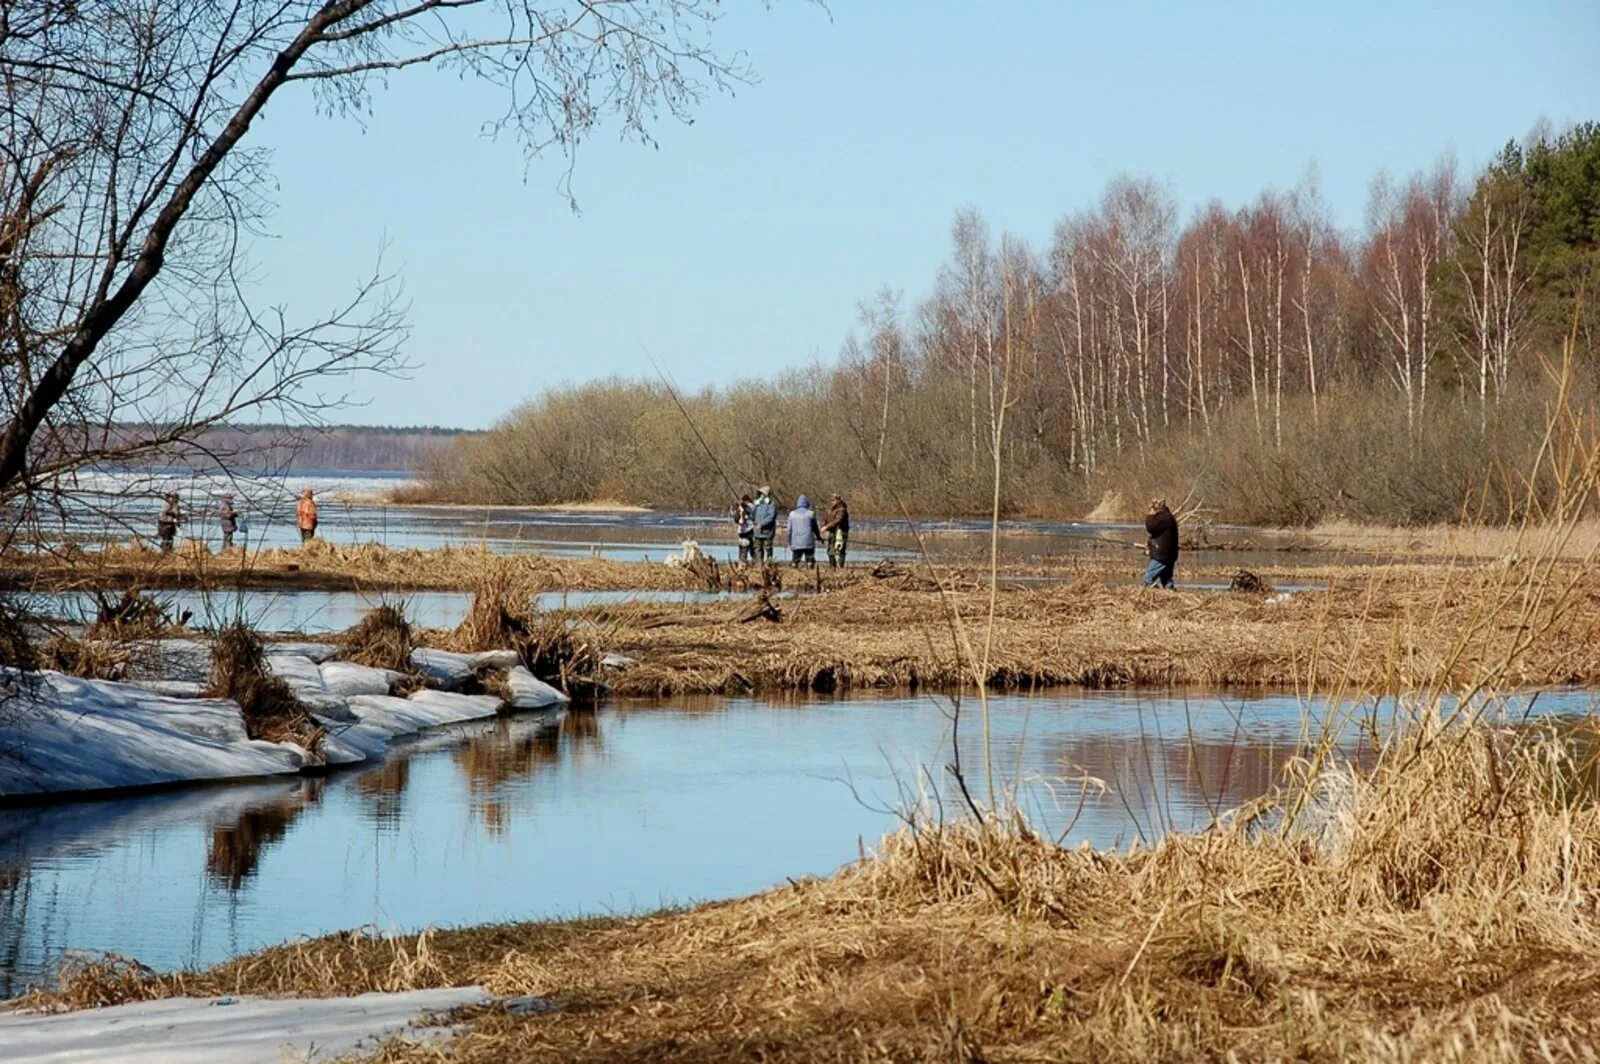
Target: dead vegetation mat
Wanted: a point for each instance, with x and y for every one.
(1381, 629)
(321, 565)
(1441, 907)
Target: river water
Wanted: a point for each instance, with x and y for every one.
(114, 507)
(624, 808)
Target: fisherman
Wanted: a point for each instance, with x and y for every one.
(764, 518)
(746, 525)
(306, 516)
(227, 520)
(169, 520)
(1162, 529)
(803, 533)
(836, 526)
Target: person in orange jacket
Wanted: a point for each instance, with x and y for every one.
(306, 514)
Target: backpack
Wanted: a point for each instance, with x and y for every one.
(765, 516)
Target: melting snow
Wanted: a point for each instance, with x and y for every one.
(244, 1030)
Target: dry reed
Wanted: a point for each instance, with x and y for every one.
(270, 709)
(382, 639)
(1391, 627)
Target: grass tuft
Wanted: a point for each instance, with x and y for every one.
(382, 639)
(271, 710)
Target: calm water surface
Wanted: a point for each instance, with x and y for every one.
(321, 612)
(615, 810)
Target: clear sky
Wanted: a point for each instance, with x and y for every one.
(744, 242)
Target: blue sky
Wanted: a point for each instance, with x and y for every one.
(743, 243)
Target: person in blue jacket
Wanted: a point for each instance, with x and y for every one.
(803, 533)
(764, 516)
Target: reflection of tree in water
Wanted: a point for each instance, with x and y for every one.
(383, 790)
(580, 733)
(515, 749)
(236, 849)
(15, 888)
(1175, 782)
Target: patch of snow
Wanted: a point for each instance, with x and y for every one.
(348, 743)
(347, 679)
(494, 659)
(172, 659)
(85, 735)
(245, 1030)
(444, 667)
(304, 677)
(171, 688)
(317, 652)
(406, 716)
(618, 661)
(530, 692)
(463, 707)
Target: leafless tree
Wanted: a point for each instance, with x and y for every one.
(1492, 277)
(1409, 237)
(130, 187)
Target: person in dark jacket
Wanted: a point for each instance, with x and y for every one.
(169, 520)
(764, 516)
(1162, 528)
(803, 534)
(227, 520)
(745, 522)
(836, 526)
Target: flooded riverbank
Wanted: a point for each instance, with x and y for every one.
(317, 613)
(630, 807)
(114, 507)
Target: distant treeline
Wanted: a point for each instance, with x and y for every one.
(1259, 362)
(357, 448)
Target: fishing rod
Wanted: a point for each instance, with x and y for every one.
(666, 382)
(673, 392)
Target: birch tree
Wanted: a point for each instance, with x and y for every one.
(130, 183)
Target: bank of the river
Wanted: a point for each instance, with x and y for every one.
(1435, 908)
(324, 566)
(958, 557)
(1080, 621)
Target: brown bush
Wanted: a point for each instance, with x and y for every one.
(382, 639)
(269, 706)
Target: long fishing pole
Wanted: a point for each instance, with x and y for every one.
(666, 382)
(673, 392)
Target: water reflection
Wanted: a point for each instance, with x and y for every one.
(236, 848)
(384, 788)
(628, 807)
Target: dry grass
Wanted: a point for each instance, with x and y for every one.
(17, 650)
(329, 566)
(1487, 542)
(92, 659)
(1113, 506)
(382, 639)
(270, 709)
(1383, 629)
(501, 609)
(501, 617)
